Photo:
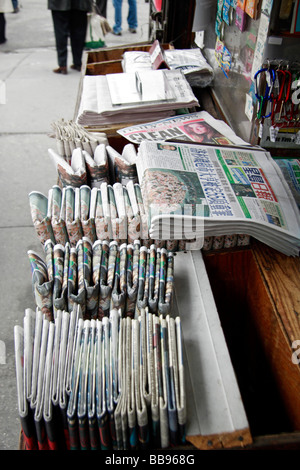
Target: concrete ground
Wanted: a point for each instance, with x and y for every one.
(31, 98)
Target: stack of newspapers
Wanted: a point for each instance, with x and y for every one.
(191, 61)
(69, 135)
(115, 383)
(133, 97)
(109, 212)
(102, 276)
(195, 190)
(101, 164)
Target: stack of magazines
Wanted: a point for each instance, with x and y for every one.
(197, 191)
(115, 383)
(106, 213)
(102, 276)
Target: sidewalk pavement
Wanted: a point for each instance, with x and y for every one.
(31, 98)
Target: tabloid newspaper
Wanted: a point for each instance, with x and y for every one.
(193, 127)
(201, 190)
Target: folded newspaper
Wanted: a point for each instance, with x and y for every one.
(191, 62)
(193, 127)
(111, 384)
(108, 212)
(290, 168)
(194, 190)
(97, 108)
(101, 276)
(70, 135)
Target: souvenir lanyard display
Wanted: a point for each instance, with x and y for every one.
(276, 90)
(264, 82)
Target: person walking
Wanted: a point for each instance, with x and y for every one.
(16, 6)
(69, 20)
(5, 7)
(102, 7)
(131, 18)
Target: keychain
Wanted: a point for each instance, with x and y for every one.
(264, 98)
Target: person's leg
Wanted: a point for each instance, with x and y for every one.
(61, 32)
(78, 25)
(132, 16)
(2, 28)
(102, 7)
(117, 28)
(15, 6)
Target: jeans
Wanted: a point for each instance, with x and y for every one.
(131, 18)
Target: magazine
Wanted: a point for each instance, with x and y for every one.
(194, 190)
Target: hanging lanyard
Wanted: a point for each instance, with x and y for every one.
(277, 98)
(268, 75)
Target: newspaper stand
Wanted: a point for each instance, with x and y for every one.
(256, 295)
(261, 326)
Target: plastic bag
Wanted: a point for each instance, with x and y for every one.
(97, 27)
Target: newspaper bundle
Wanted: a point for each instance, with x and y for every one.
(69, 135)
(290, 168)
(99, 213)
(102, 165)
(116, 383)
(101, 276)
(190, 61)
(97, 109)
(194, 190)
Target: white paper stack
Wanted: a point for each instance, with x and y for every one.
(191, 61)
(199, 191)
(97, 108)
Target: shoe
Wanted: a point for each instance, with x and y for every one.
(4, 41)
(76, 67)
(132, 30)
(16, 10)
(117, 34)
(62, 70)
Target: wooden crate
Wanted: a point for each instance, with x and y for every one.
(258, 300)
(109, 60)
(116, 53)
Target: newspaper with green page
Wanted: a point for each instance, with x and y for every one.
(195, 190)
